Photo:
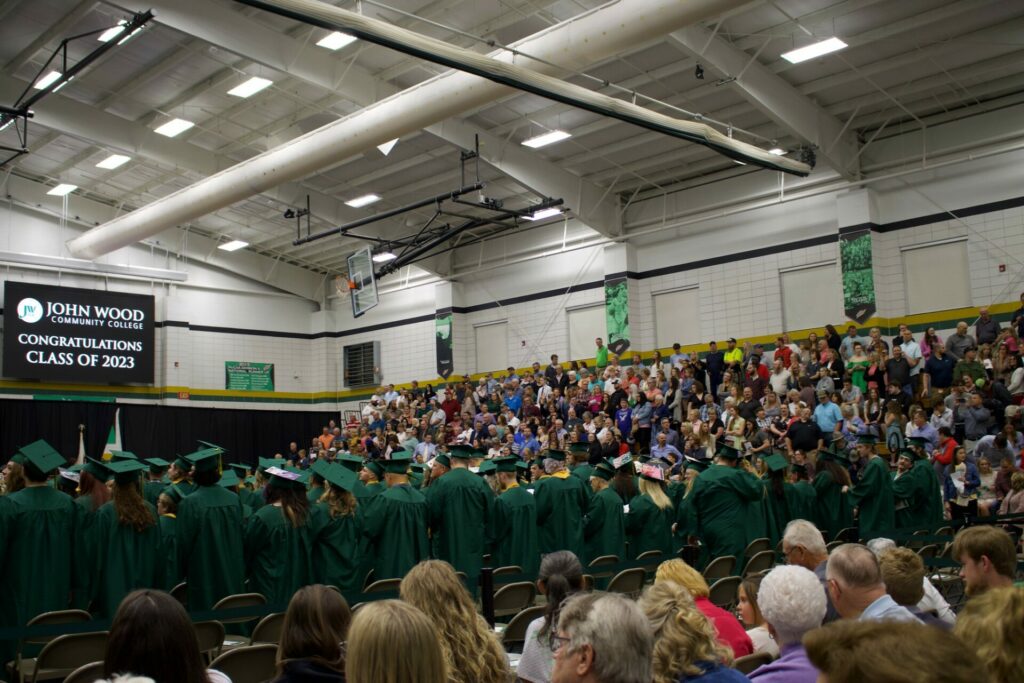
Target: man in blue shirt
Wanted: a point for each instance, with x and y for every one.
(513, 401)
(665, 451)
(827, 414)
(939, 369)
(671, 435)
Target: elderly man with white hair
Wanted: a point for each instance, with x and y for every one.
(804, 546)
(601, 638)
(792, 603)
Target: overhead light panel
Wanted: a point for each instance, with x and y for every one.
(777, 151)
(233, 245)
(386, 148)
(63, 189)
(384, 257)
(814, 50)
(548, 138)
(336, 40)
(47, 80)
(365, 200)
(544, 213)
(112, 32)
(250, 87)
(174, 127)
(114, 161)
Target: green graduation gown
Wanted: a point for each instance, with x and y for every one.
(873, 496)
(935, 509)
(339, 550)
(87, 557)
(777, 513)
(314, 493)
(802, 500)
(721, 498)
(649, 527)
(832, 506)
(151, 490)
(686, 521)
(604, 530)
(279, 556)
(396, 526)
(514, 531)
(460, 506)
(561, 503)
(363, 493)
(126, 559)
(210, 550)
(170, 576)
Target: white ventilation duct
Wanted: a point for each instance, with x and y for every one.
(575, 44)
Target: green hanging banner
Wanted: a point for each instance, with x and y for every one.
(858, 275)
(443, 338)
(616, 307)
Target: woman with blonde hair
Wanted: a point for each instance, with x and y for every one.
(685, 643)
(650, 516)
(469, 646)
(730, 632)
(312, 646)
(393, 642)
(992, 625)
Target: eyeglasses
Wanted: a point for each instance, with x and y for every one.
(556, 641)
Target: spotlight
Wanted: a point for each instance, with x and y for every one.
(698, 72)
(289, 214)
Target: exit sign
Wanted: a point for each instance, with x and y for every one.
(184, 395)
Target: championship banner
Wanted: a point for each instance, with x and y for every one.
(242, 376)
(858, 275)
(443, 342)
(616, 306)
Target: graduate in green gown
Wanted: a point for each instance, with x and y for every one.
(604, 527)
(210, 551)
(833, 511)
(372, 476)
(167, 509)
(778, 513)
(279, 539)
(126, 536)
(561, 504)
(723, 495)
(651, 515)
(339, 548)
(579, 452)
(178, 474)
(416, 475)
(93, 494)
(802, 498)
(514, 523)
(245, 494)
(155, 481)
(396, 523)
(317, 485)
(685, 527)
(460, 506)
(41, 541)
(933, 510)
(872, 494)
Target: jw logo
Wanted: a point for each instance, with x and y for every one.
(30, 310)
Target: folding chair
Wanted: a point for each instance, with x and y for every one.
(89, 673)
(268, 630)
(210, 635)
(514, 634)
(723, 592)
(499, 574)
(748, 663)
(383, 586)
(35, 643)
(513, 598)
(756, 546)
(759, 563)
(63, 655)
(249, 664)
(719, 568)
(180, 593)
(236, 602)
(628, 582)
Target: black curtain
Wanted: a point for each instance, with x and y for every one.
(165, 431)
(25, 421)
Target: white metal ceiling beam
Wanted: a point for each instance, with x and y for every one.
(55, 32)
(775, 97)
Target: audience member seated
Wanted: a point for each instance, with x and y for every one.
(730, 631)
(793, 603)
(469, 646)
(312, 639)
(904, 576)
(987, 557)
(391, 641)
(855, 584)
(932, 602)
(560, 576)
(894, 652)
(753, 621)
(804, 546)
(601, 638)
(151, 635)
(686, 646)
(992, 625)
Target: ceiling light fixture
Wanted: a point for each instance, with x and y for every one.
(63, 189)
(112, 32)
(777, 151)
(233, 245)
(174, 127)
(336, 40)
(544, 213)
(384, 256)
(365, 200)
(114, 161)
(250, 87)
(818, 49)
(47, 80)
(545, 139)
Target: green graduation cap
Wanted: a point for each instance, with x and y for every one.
(340, 476)
(353, 463)
(265, 463)
(97, 469)
(506, 463)
(443, 459)
(603, 470)
(622, 461)
(487, 467)
(205, 460)
(69, 474)
(481, 452)
(77, 467)
(909, 454)
(833, 455)
(19, 459)
(460, 451)
(122, 455)
(554, 454)
(212, 445)
(376, 468)
(42, 456)
(174, 492)
(287, 478)
(579, 447)
(652, 473)
(728, 452)
(240, 468)
(229, 478)
(182, 464)
(695, 464)
(125, 471)
(776, 463)
(398, 463)
(867, 439)
(157, 465)
(319, 467)
(522, 465)
(251, 481)
(918, 441)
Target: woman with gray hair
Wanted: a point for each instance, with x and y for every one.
(792, 603)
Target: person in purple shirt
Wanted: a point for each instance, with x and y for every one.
(792, 602)
(624, 418)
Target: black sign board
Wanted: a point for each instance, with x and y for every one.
(77, 335)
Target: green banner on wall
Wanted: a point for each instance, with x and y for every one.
(241, 376)
(443, 338)
(858, 275)
(616, 307)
